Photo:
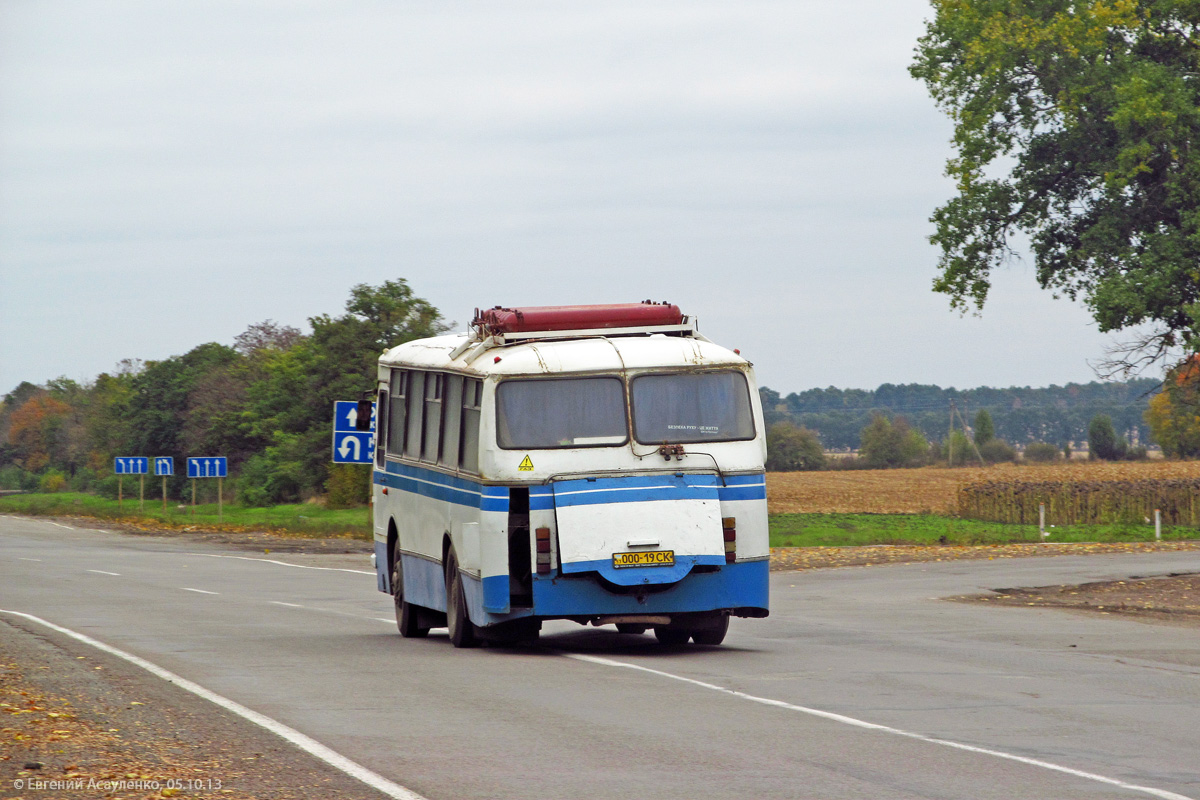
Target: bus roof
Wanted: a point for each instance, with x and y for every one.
(560, 354)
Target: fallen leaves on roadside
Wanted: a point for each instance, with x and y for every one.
(1173, 598)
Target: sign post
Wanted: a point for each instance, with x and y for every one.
(163, 467)
(351, 445)
(208, 467)
(130, 465)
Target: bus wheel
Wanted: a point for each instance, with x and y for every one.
(671, 636)
(406, 614)
(713, 635)
(462, 632)
(631, 627)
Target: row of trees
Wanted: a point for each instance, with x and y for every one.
(265, 403)
(1020, 415)
(887, 442)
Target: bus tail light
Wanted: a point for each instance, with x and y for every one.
(729, 529)
(543, 551)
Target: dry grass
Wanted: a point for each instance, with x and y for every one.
(934, 489)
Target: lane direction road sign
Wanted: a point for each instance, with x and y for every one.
(345, 416)
(164, 465)
(207, 466)
(353, 447)
(350, 445)
(131, 465)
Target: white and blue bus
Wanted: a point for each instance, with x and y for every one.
(601, 464)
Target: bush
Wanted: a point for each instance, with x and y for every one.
(846, 463)
(13, 477)
(996, 450)
(260, 483)
(956, 449)
(349, 485)
(892, 444)
(1041, 452)
(107, 487)
(52, 481)
(1103, 442)
(789, 448)
(83, 480)
(985, 429)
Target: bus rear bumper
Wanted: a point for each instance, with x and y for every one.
(739, 589)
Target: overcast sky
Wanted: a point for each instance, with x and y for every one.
(171, 173)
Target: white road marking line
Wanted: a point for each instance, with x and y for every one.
(23, 558)
(197, 591)
(35, 519)
(330, 611)
(858, 723)
(305, 743)
(102, 572)
(283, 563)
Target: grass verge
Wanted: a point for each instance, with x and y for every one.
(787, 530)
(844, 530)
(305, 518)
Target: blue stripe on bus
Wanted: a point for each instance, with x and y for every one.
(743, 493)
(541, 498)
(634, 489)
(741, 480)
(440, 486)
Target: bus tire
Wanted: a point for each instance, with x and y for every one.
(458, 622)
(713, 635)
(671, 636)
(631, 627)
(406, 614)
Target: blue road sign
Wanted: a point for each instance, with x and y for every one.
(345, 416)
(164, 465)
(207, 466)
(353, 447)
(131, 465)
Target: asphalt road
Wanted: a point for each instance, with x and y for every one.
(861, 684)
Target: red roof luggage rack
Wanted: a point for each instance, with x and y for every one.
(547, 319)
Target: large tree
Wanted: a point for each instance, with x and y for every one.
(1077, 124)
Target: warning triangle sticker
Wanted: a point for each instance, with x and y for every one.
(526, 465)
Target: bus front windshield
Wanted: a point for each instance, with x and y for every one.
(571, 412)
(691, 407)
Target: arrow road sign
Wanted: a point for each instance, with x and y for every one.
(207, 466)
(345, 416)
(164, 465)
(131, 465)
(353, 447)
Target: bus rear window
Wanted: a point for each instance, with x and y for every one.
(548, 413)
(682, 407)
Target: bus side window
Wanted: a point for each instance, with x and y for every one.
(381, 426)
(415, 414)
(395, 423)
(451, 420)
(433, 416)
(469, 440)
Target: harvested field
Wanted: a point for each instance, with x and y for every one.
(935, 489)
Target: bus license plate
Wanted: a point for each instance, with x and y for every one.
(652, 558)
